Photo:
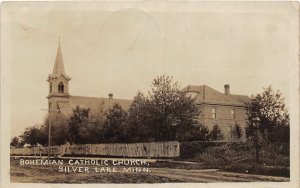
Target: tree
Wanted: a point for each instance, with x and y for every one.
(77, 120)
(274, 123)
(165, 114)
(195, 133)
(59, 128)
(237, 132)
(14, 142)
(139, 119)
(33, 135)
(173, 112)
(85, 127)
(115, 124)
(95, 129)
(216, 133)
(203, 133)
(90, 132)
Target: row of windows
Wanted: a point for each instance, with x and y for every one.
(214, 113)
(60, 87)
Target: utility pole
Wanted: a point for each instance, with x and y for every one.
(256, 122)
(49, 128)
(49, 134)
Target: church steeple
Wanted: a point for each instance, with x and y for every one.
(59, 62)
(58, 82)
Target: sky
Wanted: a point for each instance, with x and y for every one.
(119, 48)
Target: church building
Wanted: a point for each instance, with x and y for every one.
(216, 108)
(60, 100)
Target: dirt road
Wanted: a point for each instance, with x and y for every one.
(212, 175)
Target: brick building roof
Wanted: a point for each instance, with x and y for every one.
(205, 94)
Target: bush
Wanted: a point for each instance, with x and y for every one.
(216, 134)
(239, 157)
(190, 150)
(239, 152)
(276, 154)
(222, 155)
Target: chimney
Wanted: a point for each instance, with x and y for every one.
(227, 89)
(110, 96)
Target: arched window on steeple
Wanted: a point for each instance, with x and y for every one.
(60, 87)
(50, 88)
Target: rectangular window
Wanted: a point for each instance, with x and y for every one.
(232, 113)
(50, 105)
(213, 113)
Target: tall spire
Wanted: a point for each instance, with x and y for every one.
(59, 62)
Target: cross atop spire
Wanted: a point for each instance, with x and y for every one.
(59, 62)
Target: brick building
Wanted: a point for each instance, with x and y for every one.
(223, 109)
(216, 108)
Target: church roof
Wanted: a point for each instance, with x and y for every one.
(59, 63)
(205, 94)
(95, 104)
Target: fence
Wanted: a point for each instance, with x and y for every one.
(150, 149)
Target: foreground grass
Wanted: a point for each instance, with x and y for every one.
(50, 174)
(159, 172)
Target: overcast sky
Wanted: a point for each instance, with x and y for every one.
(120, 47)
